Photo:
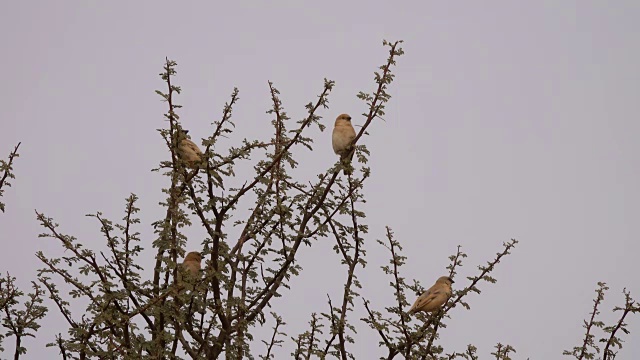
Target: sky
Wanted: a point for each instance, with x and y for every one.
(507, 120)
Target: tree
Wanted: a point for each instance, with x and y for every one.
(134, 313)
(6, 169)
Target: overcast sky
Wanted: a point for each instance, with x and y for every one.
(508, 120)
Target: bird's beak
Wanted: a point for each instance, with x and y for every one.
(450, 279)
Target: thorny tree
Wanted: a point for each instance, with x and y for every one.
(132, 313)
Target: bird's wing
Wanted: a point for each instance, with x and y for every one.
(422, 300)
(192, 146)
(352, 133)
(351, 136)
(190, 268)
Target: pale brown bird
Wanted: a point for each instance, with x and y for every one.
(433, 299)
(190, 267)
(343, 135)
(189, 151)
(193, 156)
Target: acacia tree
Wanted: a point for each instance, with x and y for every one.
(133, 313)
(6, 172)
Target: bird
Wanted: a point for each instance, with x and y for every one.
(192, 155)
(189, 151)
(433, 299)
(342, 137)
(190, 267)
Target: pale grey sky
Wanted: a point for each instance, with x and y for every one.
(508, 120)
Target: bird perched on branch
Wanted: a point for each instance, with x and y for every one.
(433, 299)
(190, 267)
(191, 154)
(343, 135)
(188, 150)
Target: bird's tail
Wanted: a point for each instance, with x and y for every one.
(347, 161)
(347, 169)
